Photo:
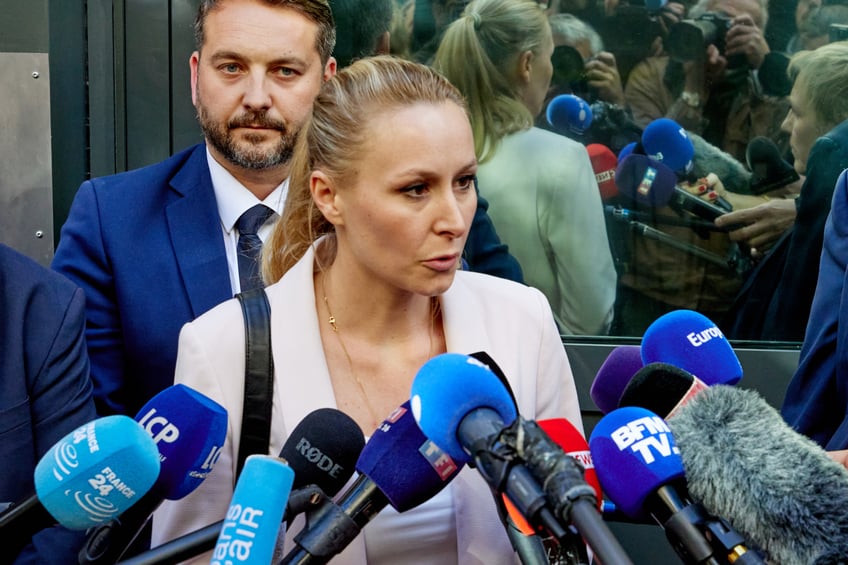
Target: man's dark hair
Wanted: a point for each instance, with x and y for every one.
(317, 11)
(359, 24)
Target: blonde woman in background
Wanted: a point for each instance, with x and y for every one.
(542, 192)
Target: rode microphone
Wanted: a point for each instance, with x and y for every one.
(461, 405)
(321, 450)
(569, 114)
(188, 429)
(604, 163)
(640, 469)
(87, 478)
(661, 388)
(249, 532)
(691, 341)
(398, 466)
(616, 371)
(777, 487)
(769, 171)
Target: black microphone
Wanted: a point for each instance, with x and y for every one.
(398, 466)
(769, 170)
(775, 486)
(321, 450)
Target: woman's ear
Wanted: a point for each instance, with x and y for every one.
(525, 64)
(325, 196)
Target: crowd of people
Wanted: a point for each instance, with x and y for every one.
(383, 169)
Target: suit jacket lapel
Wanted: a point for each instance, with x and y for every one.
(195, 228)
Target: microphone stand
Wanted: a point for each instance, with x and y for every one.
(503, 467)
(562, 476)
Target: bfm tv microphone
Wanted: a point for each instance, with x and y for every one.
(188, 429)
(250, 529)
(321, 450)
(461, 405)
(691, 341)
(661, 388)
(616, 371)
(777, 487)
(768, 169)
(604, 163)
(398, 466)
(89, 477)
(640, 469)
(569, 114)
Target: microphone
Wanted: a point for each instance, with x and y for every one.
(321, 450)
(666, 141)
(769, 171)
(616, 371)
(691, 341)
(398, 466)
(644, 180)
(461, 405)
(604, 163)
(640, 469)
(774, 485)
(188, 429)
(569, 114)
(572, 442)
(249, 533)
(661, 388)
(89, 477)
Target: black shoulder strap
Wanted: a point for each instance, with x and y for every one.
(258, 376)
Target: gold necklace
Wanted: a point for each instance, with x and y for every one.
(435, 308)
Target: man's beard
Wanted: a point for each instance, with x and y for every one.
(248, 152)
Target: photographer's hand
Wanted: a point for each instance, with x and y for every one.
(745, 38)
(602, 75)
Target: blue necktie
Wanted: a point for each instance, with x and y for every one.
(250, 246)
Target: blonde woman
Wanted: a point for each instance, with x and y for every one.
(364, 287)
(543, 197)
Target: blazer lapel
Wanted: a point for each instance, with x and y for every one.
(194, 225)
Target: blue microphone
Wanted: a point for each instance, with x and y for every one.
(640, 469)
(188, 429)
(399, 466)
(691, 341)
(87, 478)
(462, 405)
(253, 520)
(644, 180)
(569, 114)
(666, 141)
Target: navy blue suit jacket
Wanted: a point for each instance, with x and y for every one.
(816, 402)
(146, 247)
(45, 390)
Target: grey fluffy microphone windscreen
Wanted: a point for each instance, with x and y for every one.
(775, 486)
